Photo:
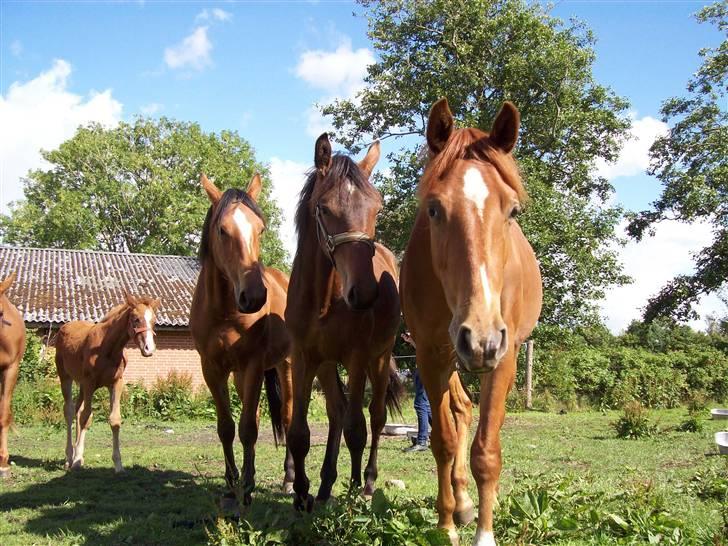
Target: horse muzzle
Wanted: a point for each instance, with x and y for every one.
(480, 352)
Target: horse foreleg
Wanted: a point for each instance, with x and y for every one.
(248, 385)
(379, 378)
(462, 411)
(485, 453)
(85, 421)
(286, 381)
(299, 435)
(8, 379)
(355, 426)
(335, 408)
(217, 383)
(115, 422)
(435, 377)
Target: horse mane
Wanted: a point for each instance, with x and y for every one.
(473, 144)
(121, 308)
(342, 168)
(229, 197)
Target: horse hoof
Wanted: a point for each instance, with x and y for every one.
(453, 536)
(287, 488)
(229, 505)
(120, 469)
(464, 516)
(5, 472)
(77, 464)
(301, 504)
(247, 499)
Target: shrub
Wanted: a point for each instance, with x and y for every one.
(37, 363)
(171, 397)
(634, 422)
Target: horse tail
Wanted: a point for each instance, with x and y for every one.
(275, 404)
(395, 390)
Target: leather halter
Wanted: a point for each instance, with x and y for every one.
(3, 322)
(330, 242)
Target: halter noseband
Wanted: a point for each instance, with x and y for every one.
(330, 242)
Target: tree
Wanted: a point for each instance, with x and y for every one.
(135, 188)
(691, 161)
(478, 54)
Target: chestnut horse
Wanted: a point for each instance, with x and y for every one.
(93, 356)
(343, 307)
(12, 347)
(237, 324)
(471, 293)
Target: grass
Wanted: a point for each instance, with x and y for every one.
(173, 483)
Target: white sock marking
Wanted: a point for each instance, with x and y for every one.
(149, 337)
(484, 538)
(245, 227)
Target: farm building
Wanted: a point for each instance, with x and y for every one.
(55, 286)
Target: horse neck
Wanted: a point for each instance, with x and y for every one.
(310, 274)
(115, 332)
(219, 296)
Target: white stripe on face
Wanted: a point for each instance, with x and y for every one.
(246, 229)
(351, 188)
(487, 296)
(148, 335)
(475, 189)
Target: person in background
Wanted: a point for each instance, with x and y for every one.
(422, 408)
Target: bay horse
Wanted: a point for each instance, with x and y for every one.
(343, 307)
(12, 347)
(471, 294)
(236, 320)
(93, 356)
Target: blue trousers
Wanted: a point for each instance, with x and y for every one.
(422, 409)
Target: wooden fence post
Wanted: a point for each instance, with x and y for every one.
(529, 373)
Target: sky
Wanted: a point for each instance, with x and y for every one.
(260, 68)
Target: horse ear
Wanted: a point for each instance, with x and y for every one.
(370, 160)
(7, 282)
(130, 300)
(254, 186)
(504, 133)
(213, 192)
(322, 153)
(439, 126)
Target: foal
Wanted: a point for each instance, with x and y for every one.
(343, 307)
(471, 293)
(237, 324)
(93, 356)
(12, 347)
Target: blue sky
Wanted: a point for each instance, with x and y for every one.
(258, 68)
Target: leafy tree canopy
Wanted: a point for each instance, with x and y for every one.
(135, 188)
(478, 54)
(691, 161)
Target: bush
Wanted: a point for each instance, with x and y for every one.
(37, 363)
(171, 397)
(634, 422)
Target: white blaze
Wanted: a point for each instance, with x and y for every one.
(245, 227)
(350, 187)
(148, 335)
(484, 538)
(475, 189)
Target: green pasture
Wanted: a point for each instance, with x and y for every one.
(173, 483)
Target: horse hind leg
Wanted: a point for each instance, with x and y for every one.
(8, 378)
(115, 423)
(84, 423)
(286, 382)
(69, 413)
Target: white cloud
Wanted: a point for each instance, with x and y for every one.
(216, 14)
(41, 114)
(339, 73)
(16, 48)
(151, 108)
(192, 52)
(652, 262)
(288, 178)
(634, 157)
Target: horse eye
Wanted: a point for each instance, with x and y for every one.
(325, 210)
(432, 211)
(515, 211)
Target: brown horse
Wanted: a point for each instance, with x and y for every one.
(93, 356)
(471, 293)
(237, 324)
(12, 347)
(343, 307)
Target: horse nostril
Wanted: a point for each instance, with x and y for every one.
(243, 300)
(464, 344)
(353, 297)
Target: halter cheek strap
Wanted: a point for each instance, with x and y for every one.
(330, 242)
(3, 322)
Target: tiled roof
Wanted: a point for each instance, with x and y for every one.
(57, 286)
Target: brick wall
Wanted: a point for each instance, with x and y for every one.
(175, 351)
